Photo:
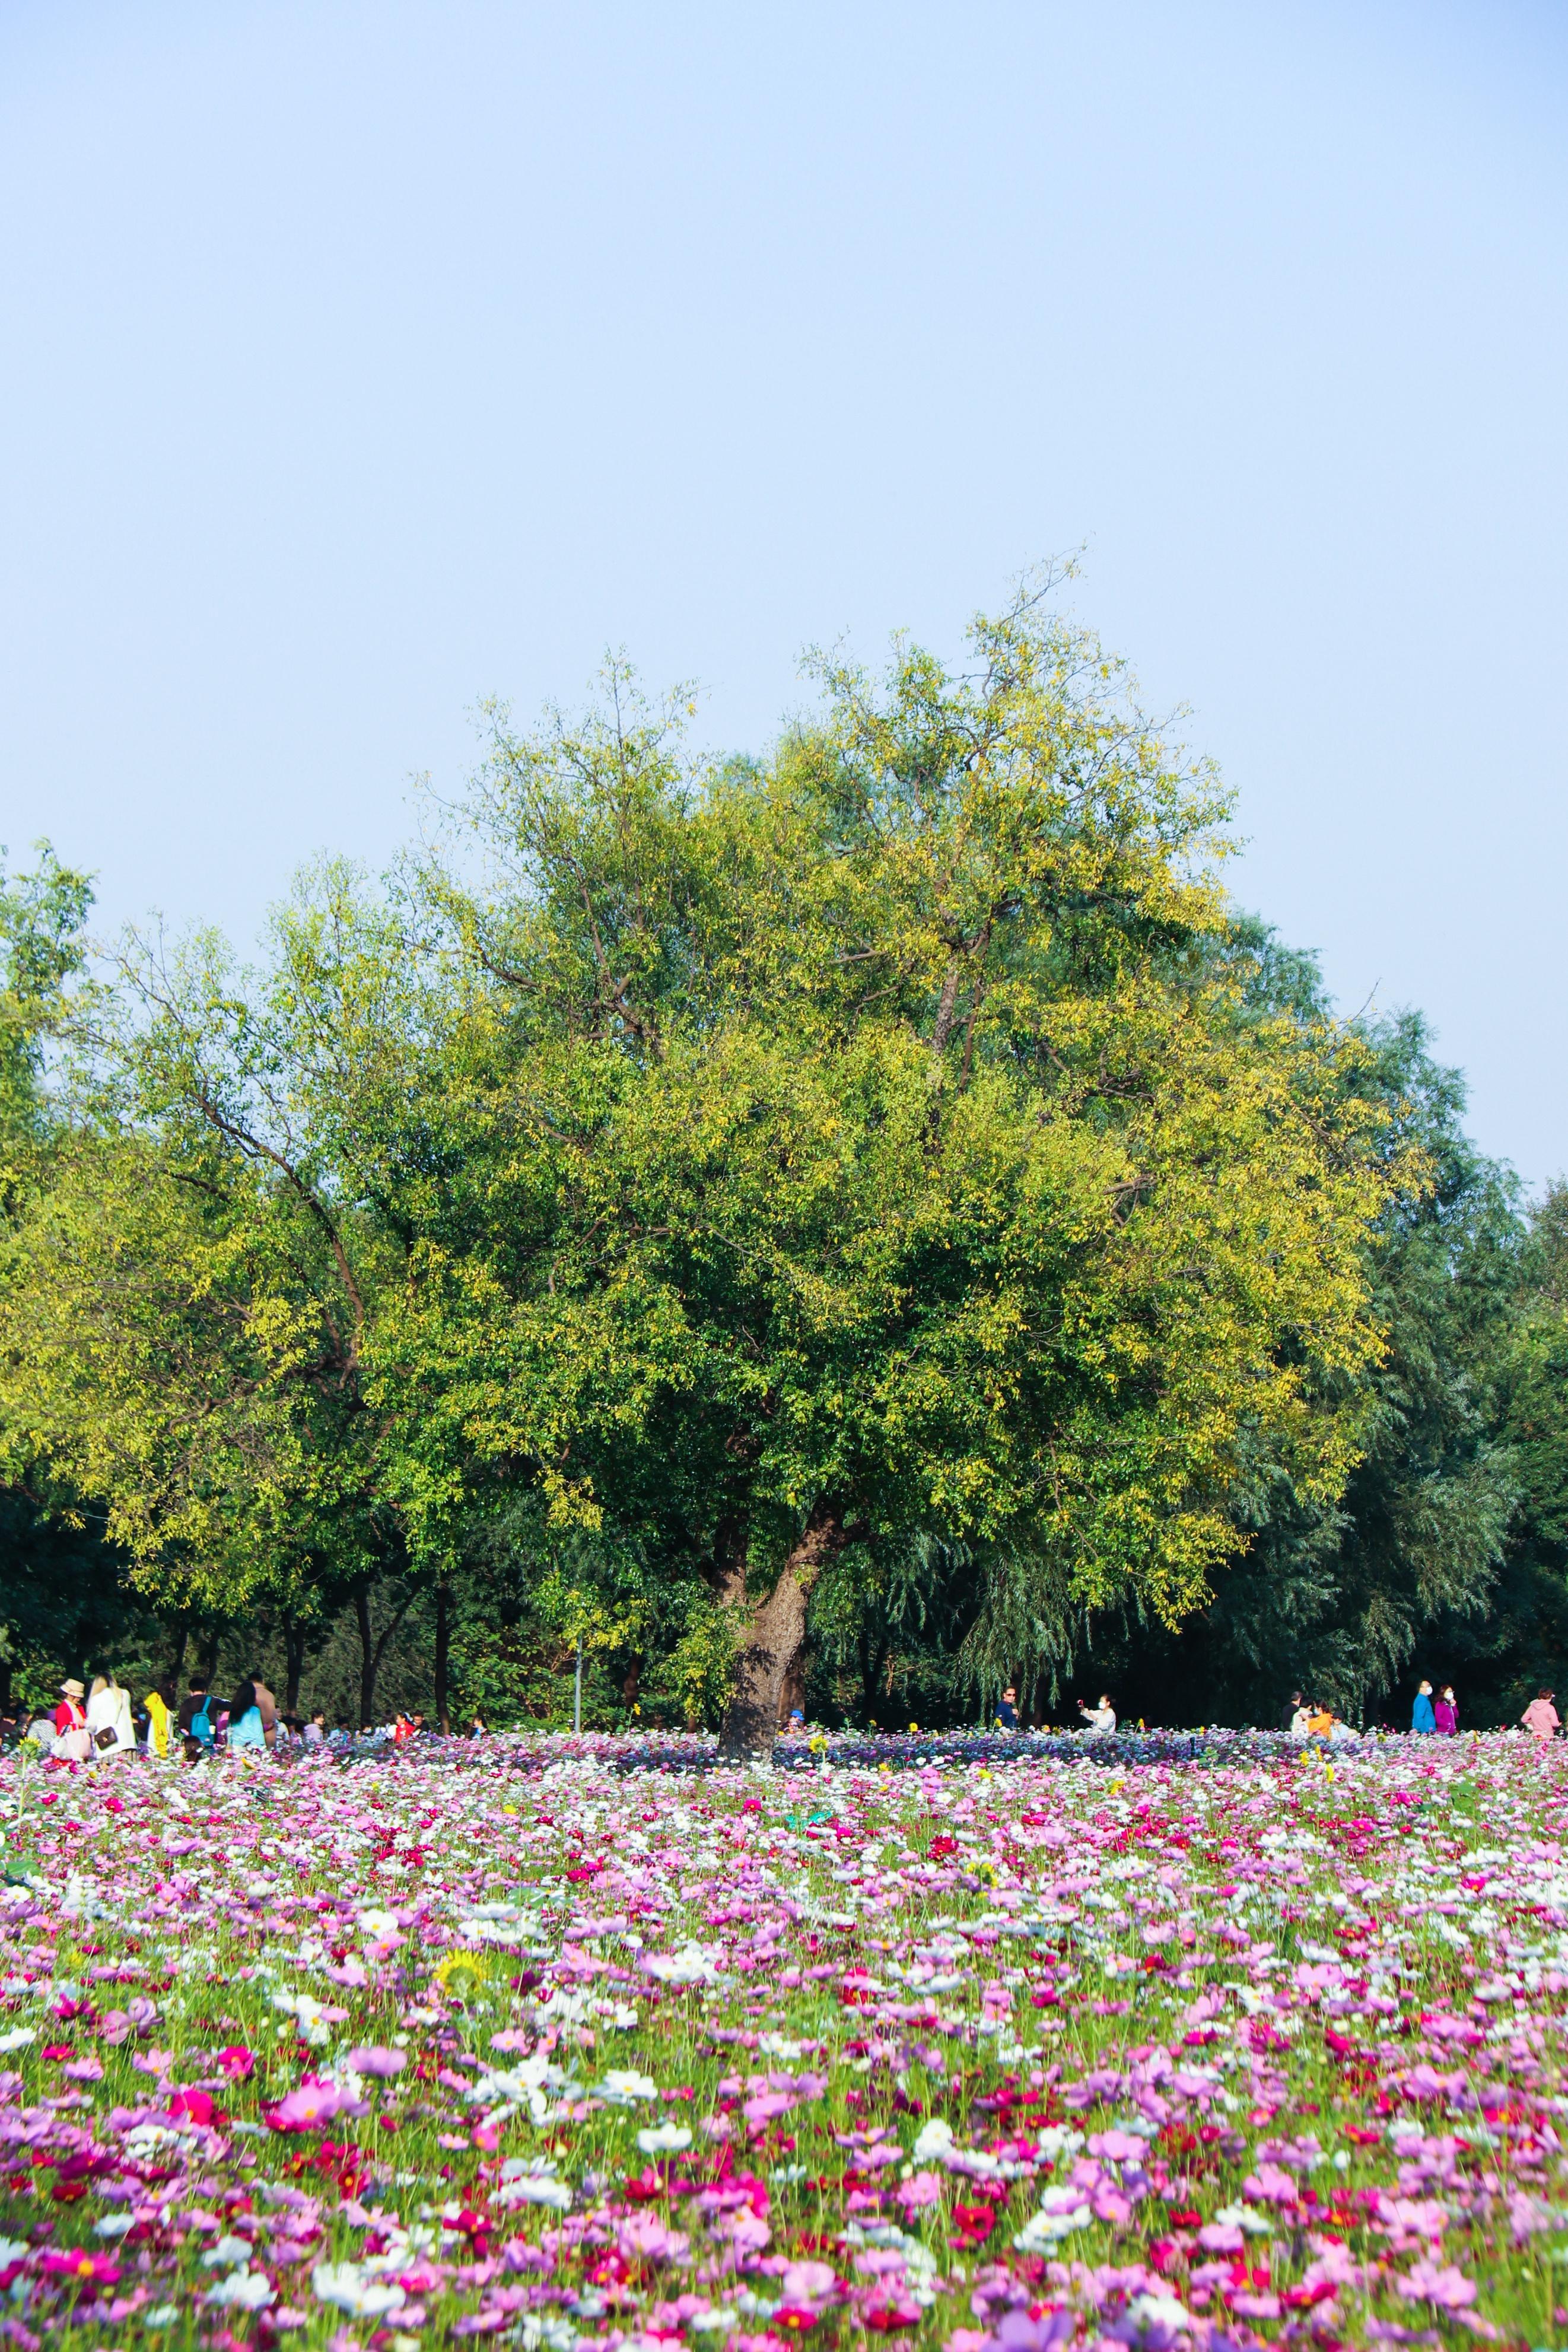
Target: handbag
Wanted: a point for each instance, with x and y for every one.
(106, 1736)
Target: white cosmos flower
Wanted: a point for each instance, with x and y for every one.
(690, 1964)
(1055, 2220)
(1245, 2217)
(252, 2290)
(663, 2140)
(1158, 2311)
(18, 2037)
(623, 2086)
(345, 2285)
(536, 2188)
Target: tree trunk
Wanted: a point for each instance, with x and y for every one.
(947, 1007)
(873, 1659)
(443, 1652)
(372, 1648)
(207, 1656)
(177, 1654)
(293, 1664)
(793, 1693)
(370, 1656)
(777, 1632)
(726, 1575)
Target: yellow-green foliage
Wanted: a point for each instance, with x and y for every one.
(890, 1122)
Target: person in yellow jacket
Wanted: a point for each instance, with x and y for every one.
(160, 1717)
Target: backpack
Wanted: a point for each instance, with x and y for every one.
(201, 1723)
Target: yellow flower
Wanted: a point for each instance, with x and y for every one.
(463, 1959)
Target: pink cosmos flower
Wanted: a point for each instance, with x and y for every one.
(192, 2107)
(766, 2105)
(236, 2061)
(1447, 2287)
(74, 2262)
(312, 2103)
(375, 2060)
(808, 2283)
(645, 2238)
(922, 2188)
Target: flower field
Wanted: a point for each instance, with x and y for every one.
(504, 2042)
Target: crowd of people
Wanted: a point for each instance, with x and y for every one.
(100, 1724)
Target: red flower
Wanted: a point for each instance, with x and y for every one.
(887, 2318)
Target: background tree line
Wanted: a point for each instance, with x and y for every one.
(864, 1224)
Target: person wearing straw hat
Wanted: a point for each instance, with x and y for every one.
(71, 1738)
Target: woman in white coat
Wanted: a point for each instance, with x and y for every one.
(109, 1724)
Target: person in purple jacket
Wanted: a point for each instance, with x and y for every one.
(1446, 1713)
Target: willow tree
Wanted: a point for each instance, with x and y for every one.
(881, 1137)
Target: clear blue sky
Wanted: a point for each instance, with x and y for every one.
(360, 361)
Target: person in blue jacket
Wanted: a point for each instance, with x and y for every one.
(1422, 1717)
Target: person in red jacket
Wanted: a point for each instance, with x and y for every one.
(70, 1722)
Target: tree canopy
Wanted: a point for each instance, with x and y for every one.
(782, 1205)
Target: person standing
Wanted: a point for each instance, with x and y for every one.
(1007, 1713)
(268, 1706)
(246, 1729)
(72, 1740)
(198, 1721)
(1447, 1712)
(1540, 1716)
(1422, 1717)
(1099, 1718)
(1296, 1705)
(160, 1705)
(108, 1720)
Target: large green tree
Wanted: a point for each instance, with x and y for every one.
(889, 1150)
(873, 1141)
